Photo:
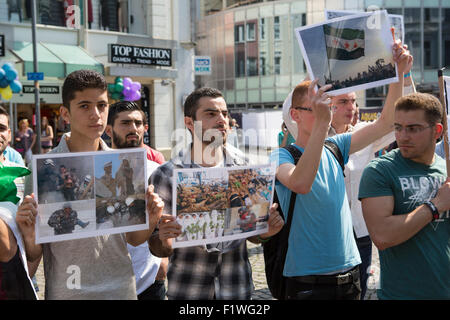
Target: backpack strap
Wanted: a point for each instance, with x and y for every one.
(334, 149)
(296, 154)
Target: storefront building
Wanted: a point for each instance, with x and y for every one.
(102, 39)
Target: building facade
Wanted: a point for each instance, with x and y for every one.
(256, 59)
(83, 34)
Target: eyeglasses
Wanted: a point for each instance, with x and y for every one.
(414, 129)
(303, 108)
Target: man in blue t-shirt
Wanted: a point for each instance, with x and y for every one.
(405, 197)
(322, 259)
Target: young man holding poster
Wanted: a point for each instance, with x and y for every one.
(220, 270)
(322, 259)
(97, 267)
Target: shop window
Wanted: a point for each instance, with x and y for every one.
(109, 15)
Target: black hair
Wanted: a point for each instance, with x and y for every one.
(191, 103)
(122, 106)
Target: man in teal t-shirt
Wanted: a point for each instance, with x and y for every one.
(405, 197)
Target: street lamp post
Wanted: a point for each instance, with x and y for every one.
(36, 82)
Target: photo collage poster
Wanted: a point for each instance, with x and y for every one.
(215, 205)
(87, 194)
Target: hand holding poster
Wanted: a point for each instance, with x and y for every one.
(221, 204)
(89, 194)
(350, 53)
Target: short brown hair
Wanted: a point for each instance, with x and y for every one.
(431, 105)
(80, 80)
(300, 92)
(191, 103)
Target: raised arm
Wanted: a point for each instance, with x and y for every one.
(367, 135)
(300, 178)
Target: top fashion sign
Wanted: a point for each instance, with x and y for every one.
(119, 53)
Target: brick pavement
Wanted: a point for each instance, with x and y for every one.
(256, 258)
(259, 278)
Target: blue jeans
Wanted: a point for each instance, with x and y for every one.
(365, 251)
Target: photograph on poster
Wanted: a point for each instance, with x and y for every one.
(89, 194)
(120, 190)
(202, 190)
(64, 179)
(221, 204)
(395, 20)
(65, 219)
(349, 52)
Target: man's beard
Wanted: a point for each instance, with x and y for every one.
(121, 144)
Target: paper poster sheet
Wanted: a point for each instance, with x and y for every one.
(396, 20)
(214, 205)
(351, 53)
(88, 194)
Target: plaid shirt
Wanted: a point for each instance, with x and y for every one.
(221, 270)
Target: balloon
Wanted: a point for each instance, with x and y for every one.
(2, 73)
(136, 86)
(127, 91)
(16, 86)
(116, 96)
(127, 82)
(128, 96)
(7, 66)
(136, 96)
(6, 93)
(11, 74)
(118, 87)
(4, 83)
(118, 79)
(111, 87)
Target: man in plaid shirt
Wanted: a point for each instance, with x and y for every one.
(215, 271)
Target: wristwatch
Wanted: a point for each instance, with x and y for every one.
(434, 210)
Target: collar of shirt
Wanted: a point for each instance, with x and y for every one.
(64, 148)
(233, 157)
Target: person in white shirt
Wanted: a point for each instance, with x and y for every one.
(126, 129)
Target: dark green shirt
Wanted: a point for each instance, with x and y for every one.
(418, 268)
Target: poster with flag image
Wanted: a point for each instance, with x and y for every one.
(396, 20)
(351, 52)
